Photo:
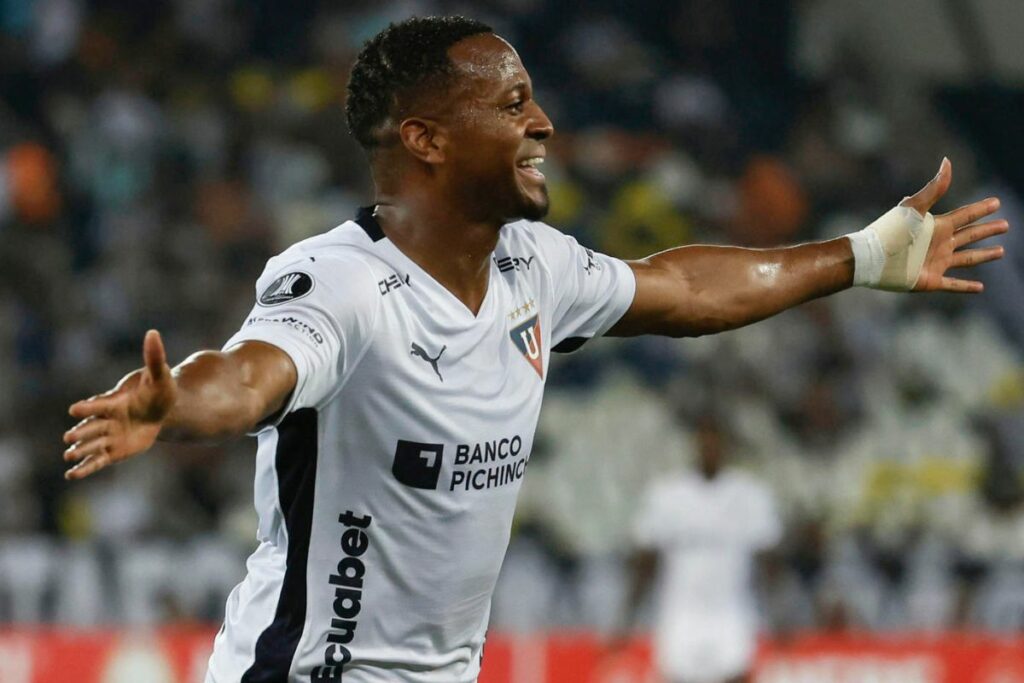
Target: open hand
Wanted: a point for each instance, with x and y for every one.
(124, 421)
(954, 230)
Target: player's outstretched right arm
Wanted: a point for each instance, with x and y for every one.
(213, 395)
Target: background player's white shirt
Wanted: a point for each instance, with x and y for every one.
(707, 532)
(386, 489)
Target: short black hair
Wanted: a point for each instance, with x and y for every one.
(397, 62)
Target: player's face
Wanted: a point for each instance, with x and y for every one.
(496, 131)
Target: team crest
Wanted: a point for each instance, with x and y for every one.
(527, 339)
(287, 288)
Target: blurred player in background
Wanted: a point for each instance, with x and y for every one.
(700, 534)
(393, 367)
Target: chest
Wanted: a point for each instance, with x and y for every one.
(449, 401)
(715, 515)
(427, 340)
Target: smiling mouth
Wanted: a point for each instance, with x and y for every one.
(528, 167)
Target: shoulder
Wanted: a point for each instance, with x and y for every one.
(551, 247)
(342, 253)
(534, 234)
(339, 260)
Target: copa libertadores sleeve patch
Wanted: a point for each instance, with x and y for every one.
(288, 287)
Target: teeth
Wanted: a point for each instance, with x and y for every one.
(532, 162)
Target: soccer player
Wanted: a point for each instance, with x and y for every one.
(700, 534)
(393, 367)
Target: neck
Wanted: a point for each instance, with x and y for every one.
(452, 247)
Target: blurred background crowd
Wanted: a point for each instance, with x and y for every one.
(153, 155)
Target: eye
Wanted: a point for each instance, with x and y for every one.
(516, 106)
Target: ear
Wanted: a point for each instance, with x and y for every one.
(425, 139)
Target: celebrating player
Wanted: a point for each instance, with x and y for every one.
(393, 367)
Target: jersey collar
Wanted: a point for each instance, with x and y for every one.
(367, 221)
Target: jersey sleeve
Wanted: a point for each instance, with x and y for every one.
(321, 313)
(591, 290)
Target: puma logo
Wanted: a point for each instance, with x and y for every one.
(418, 351)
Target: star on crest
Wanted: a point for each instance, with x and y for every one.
(520, 311)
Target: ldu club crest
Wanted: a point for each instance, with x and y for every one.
(527, 339)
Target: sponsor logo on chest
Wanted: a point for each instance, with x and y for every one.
(477, 466)
(507, 263)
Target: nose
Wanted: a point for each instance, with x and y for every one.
(540, 127)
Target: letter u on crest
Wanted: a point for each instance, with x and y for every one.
(530, 343)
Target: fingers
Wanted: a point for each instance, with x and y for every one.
(87, 429)
(92, 464)
(974, 257)
(95, 406)
(153, 354)
(966, 215)
(84, 449)
(91, 445)
(981, 231)
(952, 284)
(926, 197)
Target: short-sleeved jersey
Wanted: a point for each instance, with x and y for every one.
(386, 487)
(707, 532)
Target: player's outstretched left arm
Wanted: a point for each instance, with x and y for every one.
(696, 290)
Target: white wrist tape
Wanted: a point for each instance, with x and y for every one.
(889, 253)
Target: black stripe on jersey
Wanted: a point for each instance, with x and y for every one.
(569, 345)
(295, 462)
(367, 222)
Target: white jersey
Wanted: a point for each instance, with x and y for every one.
(707, 532)
(386, 489)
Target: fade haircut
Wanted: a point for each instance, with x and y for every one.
(398, 64)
